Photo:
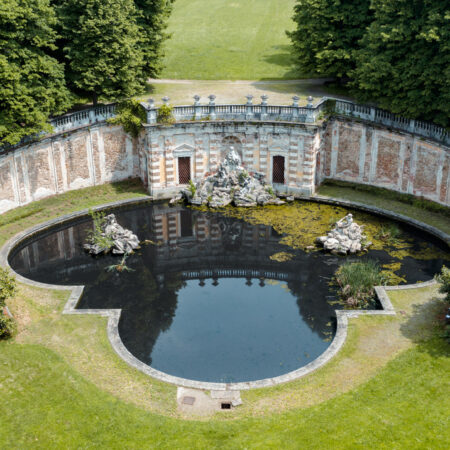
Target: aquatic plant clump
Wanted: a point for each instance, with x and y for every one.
(357, 281)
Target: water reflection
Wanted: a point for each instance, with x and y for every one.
(204, 299)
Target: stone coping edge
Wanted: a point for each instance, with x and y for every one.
(113, 315)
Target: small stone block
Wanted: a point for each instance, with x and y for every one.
(188, 400)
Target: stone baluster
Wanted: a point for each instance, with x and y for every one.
(151, 111)
(264, 99)
(212, 107)
(92, 115)
(249, 109)
(197, 108)
(310, 113)
(295, 106)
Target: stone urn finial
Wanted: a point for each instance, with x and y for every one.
(165, 100)
(264, 99)
(310, 102)
(151, 103)
(196, 99)
(295, 99)
(212, 98)
(249, 98)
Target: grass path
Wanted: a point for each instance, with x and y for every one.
(230, 39)
(181, 92)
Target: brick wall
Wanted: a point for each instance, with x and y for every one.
(361, 153)
(344, 149)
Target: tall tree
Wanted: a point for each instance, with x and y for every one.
(327, 34)
(102, 46)
(404, 62)
(32, 83)
(152, 20)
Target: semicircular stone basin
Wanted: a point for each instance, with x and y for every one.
(229, 296)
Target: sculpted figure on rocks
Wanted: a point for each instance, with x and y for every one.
(112, 237)
(231, 184)
(345, 238)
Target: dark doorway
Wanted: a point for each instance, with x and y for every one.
(278, 170)
(184, 169)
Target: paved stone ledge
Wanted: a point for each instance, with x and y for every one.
(113, 315)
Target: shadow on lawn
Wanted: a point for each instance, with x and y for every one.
(425, 325)
(133, 185)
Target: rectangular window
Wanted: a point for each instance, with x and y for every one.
(278, 170)
(184, 169)
(186, 224)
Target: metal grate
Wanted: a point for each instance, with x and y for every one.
(278, 170)
(184, 169)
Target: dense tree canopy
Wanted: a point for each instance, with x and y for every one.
(327, 34)
(102, 47)
(404, 61)
(53, 50)
(397, 53)
(31, 82)
(152, 19)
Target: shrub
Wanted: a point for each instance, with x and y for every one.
(357, 281)
(165, 115)
(269, 190)
(192, 188)
(131, 115)
(8, 288)
(7, 326)
(121, 267)
(97, 235)
(243, 176)
(444, 280)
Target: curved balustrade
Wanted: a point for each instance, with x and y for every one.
(262, 112)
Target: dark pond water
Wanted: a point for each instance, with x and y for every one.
(204, 300)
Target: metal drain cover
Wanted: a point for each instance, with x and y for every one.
(188, 400)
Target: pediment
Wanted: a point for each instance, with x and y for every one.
(184, 148)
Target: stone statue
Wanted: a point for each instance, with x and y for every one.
(346, 237)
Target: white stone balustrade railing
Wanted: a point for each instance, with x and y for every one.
(83, 118)
(309, 113)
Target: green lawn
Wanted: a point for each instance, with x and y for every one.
(62, 385)
(230, 39)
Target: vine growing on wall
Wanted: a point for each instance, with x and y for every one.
(131, 115)
(165, 115)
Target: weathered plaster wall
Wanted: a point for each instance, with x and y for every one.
(361, 153)
(83, 158)
(343, 150)
(207, 143)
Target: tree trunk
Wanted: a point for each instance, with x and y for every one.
(95, 98)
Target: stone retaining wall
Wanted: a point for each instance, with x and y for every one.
(344, 149)
(363, 153)
(82, 158)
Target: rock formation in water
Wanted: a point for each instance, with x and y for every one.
(231, 184)
(122, 240)
(345, 238)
